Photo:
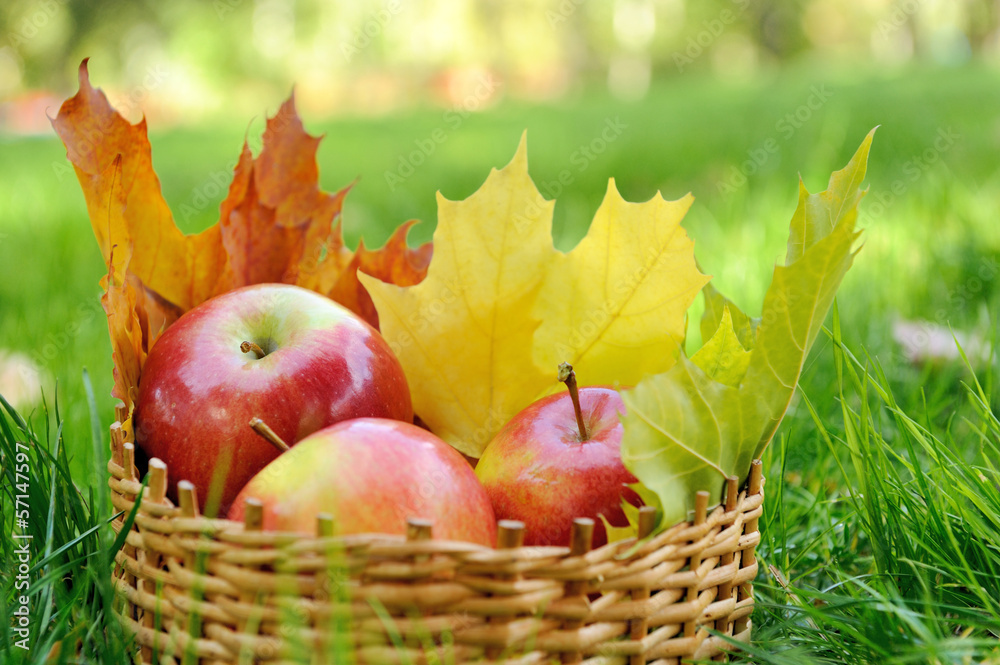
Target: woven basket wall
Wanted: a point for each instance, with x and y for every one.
(198, 590)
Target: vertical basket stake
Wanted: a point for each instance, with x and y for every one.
(329, 593)
(700, 514)
(581, 541)
(723, 624)
(121, 417)
(188, 497)
(187, 494)
(156, 493)
(253, 521)
(418, 529)
(117, 440)
(157, 481)
(116, 460)
(324, 577)
(749, 557)
(121, 412)
(128, 463)
(510, 535)
(324, 525)
(639, 628)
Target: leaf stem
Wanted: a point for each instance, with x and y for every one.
(267, 433)
(568, 376)
(247, 347)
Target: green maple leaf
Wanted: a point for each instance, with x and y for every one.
(687, 430)
(723, 356)
(715, 304)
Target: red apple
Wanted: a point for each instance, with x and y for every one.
(540, 470)
(370, 475)
(287, 355)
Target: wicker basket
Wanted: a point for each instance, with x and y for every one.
(200, 590)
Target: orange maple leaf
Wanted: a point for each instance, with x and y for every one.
(276, 225)
(395, 263)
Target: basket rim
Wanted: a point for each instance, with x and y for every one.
(125, 480)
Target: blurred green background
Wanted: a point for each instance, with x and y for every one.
(730, 100)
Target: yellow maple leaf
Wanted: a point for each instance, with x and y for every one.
(480, 338)
(464, 334)
(615, 306)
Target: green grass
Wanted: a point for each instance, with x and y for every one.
(880, 534)
(60, 561)
(887, 550)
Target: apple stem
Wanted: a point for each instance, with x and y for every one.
(247, 347)
(267, 433)
(568, 376)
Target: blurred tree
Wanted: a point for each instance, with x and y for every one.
(370, 54)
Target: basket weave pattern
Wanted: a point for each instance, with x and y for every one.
(199, 590)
